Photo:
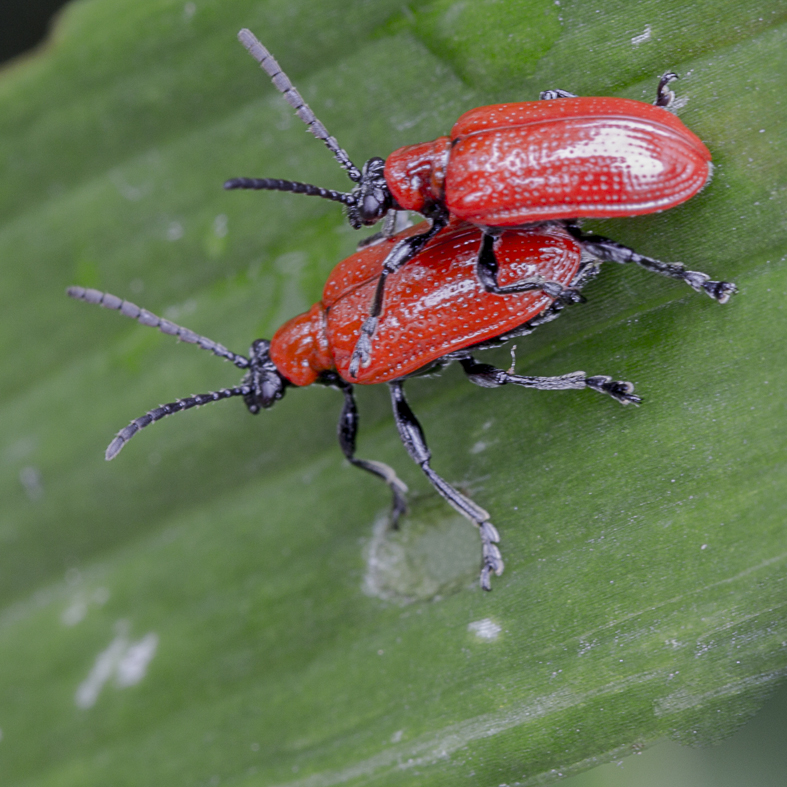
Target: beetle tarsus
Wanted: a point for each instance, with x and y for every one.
(621, 390)
(551, 95)
(492, 559)
(362, 353)
(567, 295)
(612, 251)
(664, 96)
(720, 291)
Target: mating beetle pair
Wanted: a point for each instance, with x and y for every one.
(510, 165)
(502, 254)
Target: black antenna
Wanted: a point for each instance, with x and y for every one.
(275, 184)
(282, 83)
(125, 434)
(128, 309)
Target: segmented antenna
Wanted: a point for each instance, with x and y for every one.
(125, 434)
(128, 309)
(274, 184)
(282, 83)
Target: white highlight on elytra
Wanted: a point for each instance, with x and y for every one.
(485, 629)
(126, 661)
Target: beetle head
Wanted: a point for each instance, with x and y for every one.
(371, 198)
(263, 378)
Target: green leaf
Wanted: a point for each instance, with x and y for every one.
(256, 621)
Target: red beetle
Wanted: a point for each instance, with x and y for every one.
(438, 312)
(510, 165)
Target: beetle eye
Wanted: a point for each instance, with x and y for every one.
(370, 209)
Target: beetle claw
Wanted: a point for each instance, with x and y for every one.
(492, 559)
(720, 291)
(361, 355)
(621, 390)
(569, 296)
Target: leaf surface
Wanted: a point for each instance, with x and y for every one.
(222, 603)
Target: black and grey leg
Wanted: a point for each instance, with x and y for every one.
(414, 441)
(612, 251)
(550, 95)
(400, 255)
(394, 222)
(487, 270)
(348, 430)
(664, 96)
(491, 377)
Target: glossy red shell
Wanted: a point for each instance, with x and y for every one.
(415, 174)
(514, 164)
(299, 349)
(434, 305)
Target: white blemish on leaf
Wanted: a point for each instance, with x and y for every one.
(126, 661)
(133, 665)
(485, 629)
(642, 37)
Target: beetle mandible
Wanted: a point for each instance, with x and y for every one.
(439, 312)
(509, 165)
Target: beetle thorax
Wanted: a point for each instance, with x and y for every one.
(416, 174)
(299, 349)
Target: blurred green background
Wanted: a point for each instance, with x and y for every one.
(222, 604)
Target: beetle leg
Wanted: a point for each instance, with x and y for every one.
(487, 269)
(491, 377)
(348, 430)
(612, 251)
(414, 441)
(400, 255)
(394, 222)
(549, 95)
(664, 96)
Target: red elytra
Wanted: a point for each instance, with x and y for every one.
(437, 304)
(513, 164)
